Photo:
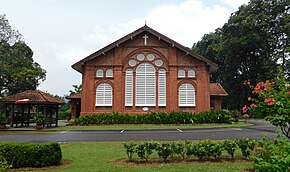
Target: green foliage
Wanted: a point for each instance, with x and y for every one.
(207, 148)
(215, 116)
(39, 119)
(180, 148)
(4, 166)
(230, 146)
(145, 149)
(164, 150)
(272, 155)
(31, 154)
(130, 149)
(3, 119)
(246, 145)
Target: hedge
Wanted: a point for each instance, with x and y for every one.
(214, 116)
(31, 154)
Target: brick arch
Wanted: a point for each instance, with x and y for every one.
(183, 81)
(142, 50)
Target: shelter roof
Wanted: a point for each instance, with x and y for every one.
(33, 97)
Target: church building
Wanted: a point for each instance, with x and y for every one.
(145, 71)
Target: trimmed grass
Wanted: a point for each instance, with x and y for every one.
(101, 156)
(149, 126)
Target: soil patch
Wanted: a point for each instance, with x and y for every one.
(62, 164)
(160, 162)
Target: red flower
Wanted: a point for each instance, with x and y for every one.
(249, 98)
(253, 105)
(244, 109)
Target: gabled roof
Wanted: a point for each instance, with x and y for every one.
(34, 97)
(215, 89)
(78, 66)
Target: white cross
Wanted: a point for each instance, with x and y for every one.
(145, 39)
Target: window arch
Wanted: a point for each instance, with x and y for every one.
(109, 73)
(145, 85)
(181, 73)
(129, 88)
(104, 95)
(100, 73)
(162, 87)
(191, 73)
(186, 93)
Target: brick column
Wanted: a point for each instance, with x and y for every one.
(118, 98)
(88, 91)
(171, 88)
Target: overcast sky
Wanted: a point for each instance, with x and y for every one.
(62, 32)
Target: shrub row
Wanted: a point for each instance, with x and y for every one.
(183, 149)
(215, 116)
(268, 155)
(31, 154)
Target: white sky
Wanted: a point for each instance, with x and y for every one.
(62, 32)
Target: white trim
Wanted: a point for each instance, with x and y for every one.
(100, 73)
(181, 73)
(191, 73)
(109, 73)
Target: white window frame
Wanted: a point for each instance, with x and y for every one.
(191, 73)
(100, 73)
(162, 87)
(181, 73)
(186, 95)
(145, 85)
(129, 87)
(109, 73)
(104, 94)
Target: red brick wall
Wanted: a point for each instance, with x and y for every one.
(117, 59)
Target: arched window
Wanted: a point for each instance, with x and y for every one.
(186, 93)
(129, 88)
(181, 73)
(191, 73)
(100, 73)
(145, 85)
(109, 73)
(161, 87)
(104, 95)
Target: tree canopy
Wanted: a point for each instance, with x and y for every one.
(250, 46)
(18, 71)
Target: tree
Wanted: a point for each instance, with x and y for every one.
(77, 89)
(18, 71)
(249, 46)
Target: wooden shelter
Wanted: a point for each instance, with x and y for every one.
(22, 107)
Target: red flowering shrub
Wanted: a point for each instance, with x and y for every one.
(271, 100)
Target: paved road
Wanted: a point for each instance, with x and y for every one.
(257, 131)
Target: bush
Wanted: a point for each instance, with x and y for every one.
(180, 148)
(4, 166)
(272, 155)
(130, 149)
(164, 150)
(31, 154)
(246, 145)
(230, 146)
(145, 149)
(215, 116)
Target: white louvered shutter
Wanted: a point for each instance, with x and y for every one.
(129, 88)
(145, 85)
(162, 87)
(186, 95)
(104, 95)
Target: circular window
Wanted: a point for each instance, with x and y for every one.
(132, 62)
(140, 57)
(150, 57)
(158, 62)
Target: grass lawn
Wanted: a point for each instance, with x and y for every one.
(101, 156)
(148, 126)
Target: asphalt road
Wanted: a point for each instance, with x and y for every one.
(260, 129)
